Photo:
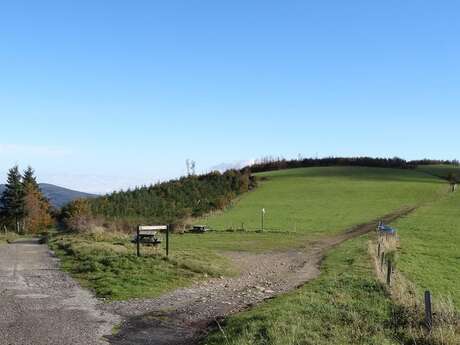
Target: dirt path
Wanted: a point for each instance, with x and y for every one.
(41, 305)
(183, 316)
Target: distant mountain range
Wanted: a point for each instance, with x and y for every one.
(59, 196)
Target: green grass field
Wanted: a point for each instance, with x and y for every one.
(319, 201)
(327, 200)
(430, 247)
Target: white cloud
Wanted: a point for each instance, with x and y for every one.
(233, 165)
(36, 150)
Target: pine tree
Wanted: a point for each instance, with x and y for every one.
(29, 178)
(36, 206)
(12, 200)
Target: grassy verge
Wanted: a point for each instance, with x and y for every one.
(107, 264)
(8, 237)
(345, 305)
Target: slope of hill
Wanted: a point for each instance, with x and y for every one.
(346, 305)
(328, 199)
(59, 196)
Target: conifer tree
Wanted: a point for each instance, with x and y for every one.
(36, 206)
(12, 200)
(29, 178)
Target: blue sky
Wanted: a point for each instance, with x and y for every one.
(101, 95)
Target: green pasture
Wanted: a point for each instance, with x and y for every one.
(430, 247)
(327, 200)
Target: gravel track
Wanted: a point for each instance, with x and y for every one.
(41, 305)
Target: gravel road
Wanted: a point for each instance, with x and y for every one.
(39, 304)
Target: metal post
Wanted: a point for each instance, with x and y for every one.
(389, 272)
(138, 243)
(428, 311)
(167, 241)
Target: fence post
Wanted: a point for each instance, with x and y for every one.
(389, 272)
(381, 261)
(378, 250)
(428, 310)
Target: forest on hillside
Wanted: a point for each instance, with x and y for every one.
(169, 202)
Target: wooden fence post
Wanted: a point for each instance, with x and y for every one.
(378, 250)
(389, 272)
(381, 261)
(428, 310)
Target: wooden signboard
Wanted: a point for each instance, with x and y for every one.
(151, 231)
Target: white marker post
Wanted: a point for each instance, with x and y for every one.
(263, 214)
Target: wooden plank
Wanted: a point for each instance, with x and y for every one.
(152, 227)
(147, 232)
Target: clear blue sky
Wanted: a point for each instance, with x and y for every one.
(98, 95)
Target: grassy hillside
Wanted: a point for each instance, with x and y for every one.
(346, 304)
(430, 247)
(320, 200)
(327, 200)
(441, 171)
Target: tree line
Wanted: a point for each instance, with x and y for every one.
(272, 163)
(23, 207)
